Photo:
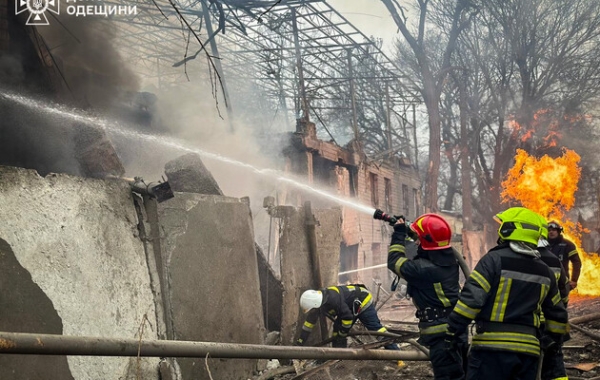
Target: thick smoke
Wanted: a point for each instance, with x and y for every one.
(71, 61)
(85, 52)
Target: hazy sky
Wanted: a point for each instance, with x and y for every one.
(371, 17)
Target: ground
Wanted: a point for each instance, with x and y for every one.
(582, 352)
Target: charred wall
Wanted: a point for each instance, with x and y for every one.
(390, 184)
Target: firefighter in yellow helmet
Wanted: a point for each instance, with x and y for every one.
(504, 295)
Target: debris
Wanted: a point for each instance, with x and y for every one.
(582, 366)
(273, 363)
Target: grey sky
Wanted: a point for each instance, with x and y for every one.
(371, 17)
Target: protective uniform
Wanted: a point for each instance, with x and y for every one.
(566, 251)
(433, 283)
(553, 365)
(344, 304)
(504, 295)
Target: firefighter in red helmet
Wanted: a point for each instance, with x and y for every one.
(433, 283)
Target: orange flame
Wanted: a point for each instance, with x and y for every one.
(543, 128)
(547, 186)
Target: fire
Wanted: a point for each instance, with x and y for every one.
(543, 129)
(547, 185)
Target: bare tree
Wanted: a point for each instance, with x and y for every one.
(432, 70)
(535, 62)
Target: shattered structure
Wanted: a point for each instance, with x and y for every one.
(391, 184)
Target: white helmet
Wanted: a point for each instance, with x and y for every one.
(311, 299)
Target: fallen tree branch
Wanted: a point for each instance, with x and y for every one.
(585, 318)
(587, 332)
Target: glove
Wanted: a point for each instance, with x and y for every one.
(339, 339)
(400, 227)
(551, 343)
(339, 342)
(572, 284)
(450, 343)
(299, 342)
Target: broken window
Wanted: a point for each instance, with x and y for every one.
(353, 182)
(405, 200)
(388, 194)
(348, 261)
(416, 201)
(374, 190)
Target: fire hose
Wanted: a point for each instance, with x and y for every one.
(393, 219)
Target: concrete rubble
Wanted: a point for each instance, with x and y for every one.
(88, 257)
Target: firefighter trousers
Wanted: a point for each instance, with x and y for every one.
(553, 365)
(447, 362)
(370, 320)
(501, 365)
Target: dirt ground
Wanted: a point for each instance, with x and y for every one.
(582, 352)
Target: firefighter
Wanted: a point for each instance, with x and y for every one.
(504, 295)
(565, 250)
(344, 305)
(432, 279)
(553, 365)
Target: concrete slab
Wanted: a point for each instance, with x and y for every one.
(187, 174)
(296, 268)
(210, 257)
(27, 309)
(78, 240)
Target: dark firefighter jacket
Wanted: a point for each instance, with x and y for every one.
(342, 304)
(504, 295)
(562, 280)
(432, 281)
(566, 251)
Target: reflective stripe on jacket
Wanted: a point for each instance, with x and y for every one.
(431, 283)
(507, 290)
(341, 304)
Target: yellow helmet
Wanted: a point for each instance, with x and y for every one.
(521, 224)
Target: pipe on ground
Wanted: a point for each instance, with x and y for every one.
(48, 344)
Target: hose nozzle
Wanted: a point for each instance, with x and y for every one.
(391, 219)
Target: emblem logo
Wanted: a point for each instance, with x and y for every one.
(37, 10)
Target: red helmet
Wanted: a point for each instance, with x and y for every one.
(433, 231)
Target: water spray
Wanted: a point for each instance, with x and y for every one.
(111, 126)
(118, 128)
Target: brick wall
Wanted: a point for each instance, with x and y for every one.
(359, 227)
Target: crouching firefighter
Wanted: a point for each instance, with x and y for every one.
(504, 295)
(343, 305)
(433, 283)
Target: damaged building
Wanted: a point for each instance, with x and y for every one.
(391, 184)
(89, 253)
